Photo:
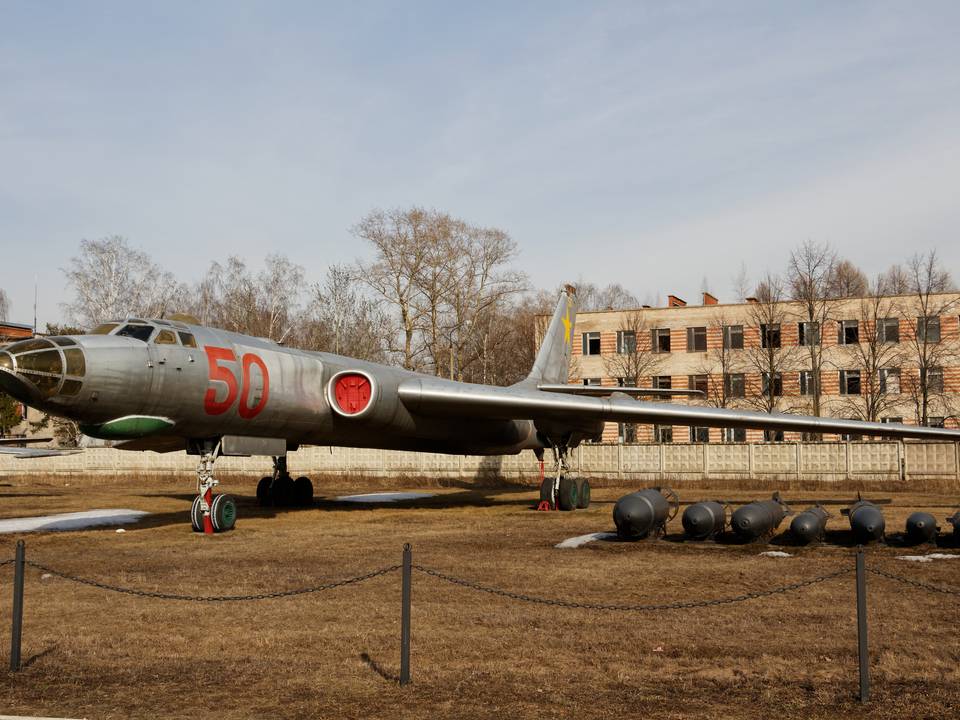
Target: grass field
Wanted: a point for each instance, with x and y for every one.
(335, 654)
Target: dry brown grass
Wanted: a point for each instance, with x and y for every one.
(100, 655)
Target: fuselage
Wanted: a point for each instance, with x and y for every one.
(147, 379)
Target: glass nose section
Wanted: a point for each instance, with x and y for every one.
(45, 367)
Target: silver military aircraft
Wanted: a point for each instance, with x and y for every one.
(166, 385)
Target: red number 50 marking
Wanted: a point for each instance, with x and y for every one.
(219, 373)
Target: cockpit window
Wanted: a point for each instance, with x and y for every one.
(47, 361)
(76, 364)
(104, 329)
(63, 341)
(187, 339)
(29, 346)
(139, 332)
(165, 337)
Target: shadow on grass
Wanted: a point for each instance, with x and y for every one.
(40, 655)
(378, 669)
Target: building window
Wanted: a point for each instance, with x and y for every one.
(627, 432)
(811, 437)
(660, 340)
(849, 382)
(734, 435)
(896, 420)
(733, 337)
(773, 386)
(770, 335)
(735, 385)
(697, 382)
(624, 382)
(663, 433)
(592, 382)
(808, 382)
(696, 339)
(848, 332)
(928, 329)
(888, 330)
(662, 382)
(626, 342)
(773, 435)
(809, 333)
(936, 422)
(934, 379)
(890, 381)
(591, 343)
(699, 434)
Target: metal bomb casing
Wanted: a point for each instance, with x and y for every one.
(922, 528)
(866, 521)
(758, 519)
(704, 520)
(955, 521)
(638, 514)
(810, 525)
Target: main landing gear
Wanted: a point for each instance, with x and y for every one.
(281, 490)
(564, 491)
(211, 513)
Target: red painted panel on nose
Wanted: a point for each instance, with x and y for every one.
(352, 393)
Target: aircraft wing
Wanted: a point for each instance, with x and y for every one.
(605, 390)
(442, 398)
(22, 452)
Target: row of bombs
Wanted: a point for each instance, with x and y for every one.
(640, 514)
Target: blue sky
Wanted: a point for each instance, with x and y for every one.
(651, 144)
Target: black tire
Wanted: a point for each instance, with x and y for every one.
(583, 493)
(303, 491)
(223, 513)
(196, 515)
(282, 490)
(264, 495)
(546, 491)
(567, 497)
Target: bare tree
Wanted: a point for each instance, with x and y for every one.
(847, 281)
(879, 356)
(112, 280)
(811, 273)
(635, 358)
(341, 320)
(4, 305)
(611, 297)
(767, 355)
(931, 299)
(896, 280)
(720, 363)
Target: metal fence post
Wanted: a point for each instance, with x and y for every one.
(405, 617)
(17, 626)
(862, 652)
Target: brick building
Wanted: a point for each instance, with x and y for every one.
(12, 332)
(883, 359)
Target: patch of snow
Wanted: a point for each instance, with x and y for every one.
(121, 530)
(927, 558)
(775, 553)
(71, 521)
(576, 542)
(383, 497)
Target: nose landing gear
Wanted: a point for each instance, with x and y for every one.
(564, 491)
(281, 490)
(211, 513)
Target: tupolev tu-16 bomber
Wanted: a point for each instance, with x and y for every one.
(547, 361)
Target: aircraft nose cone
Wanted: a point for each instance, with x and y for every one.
(921, 527)
(632, 517)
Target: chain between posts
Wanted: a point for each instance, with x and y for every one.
(683, 605)
(215, 598)
(7, 562)
(916, 583)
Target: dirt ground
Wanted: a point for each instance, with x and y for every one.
(335, 654)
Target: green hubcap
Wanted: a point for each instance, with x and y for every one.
(229, 514)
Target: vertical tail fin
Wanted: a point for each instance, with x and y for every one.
(553, 361)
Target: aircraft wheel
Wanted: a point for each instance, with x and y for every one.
(567, 497)
(223, 513)
(583, 493)
(546, 490)
(303, 492)
(283, 491)
(264, 496)
(196, 515)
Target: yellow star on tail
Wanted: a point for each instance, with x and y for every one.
(566, 325)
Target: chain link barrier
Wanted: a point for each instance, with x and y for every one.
(915, 583)
(682, 605)
(214, 598)
(7, 562)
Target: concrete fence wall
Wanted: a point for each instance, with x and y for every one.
(775, 461)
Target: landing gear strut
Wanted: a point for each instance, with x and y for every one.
(564, 491)
(282, 490)
(211, 513)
